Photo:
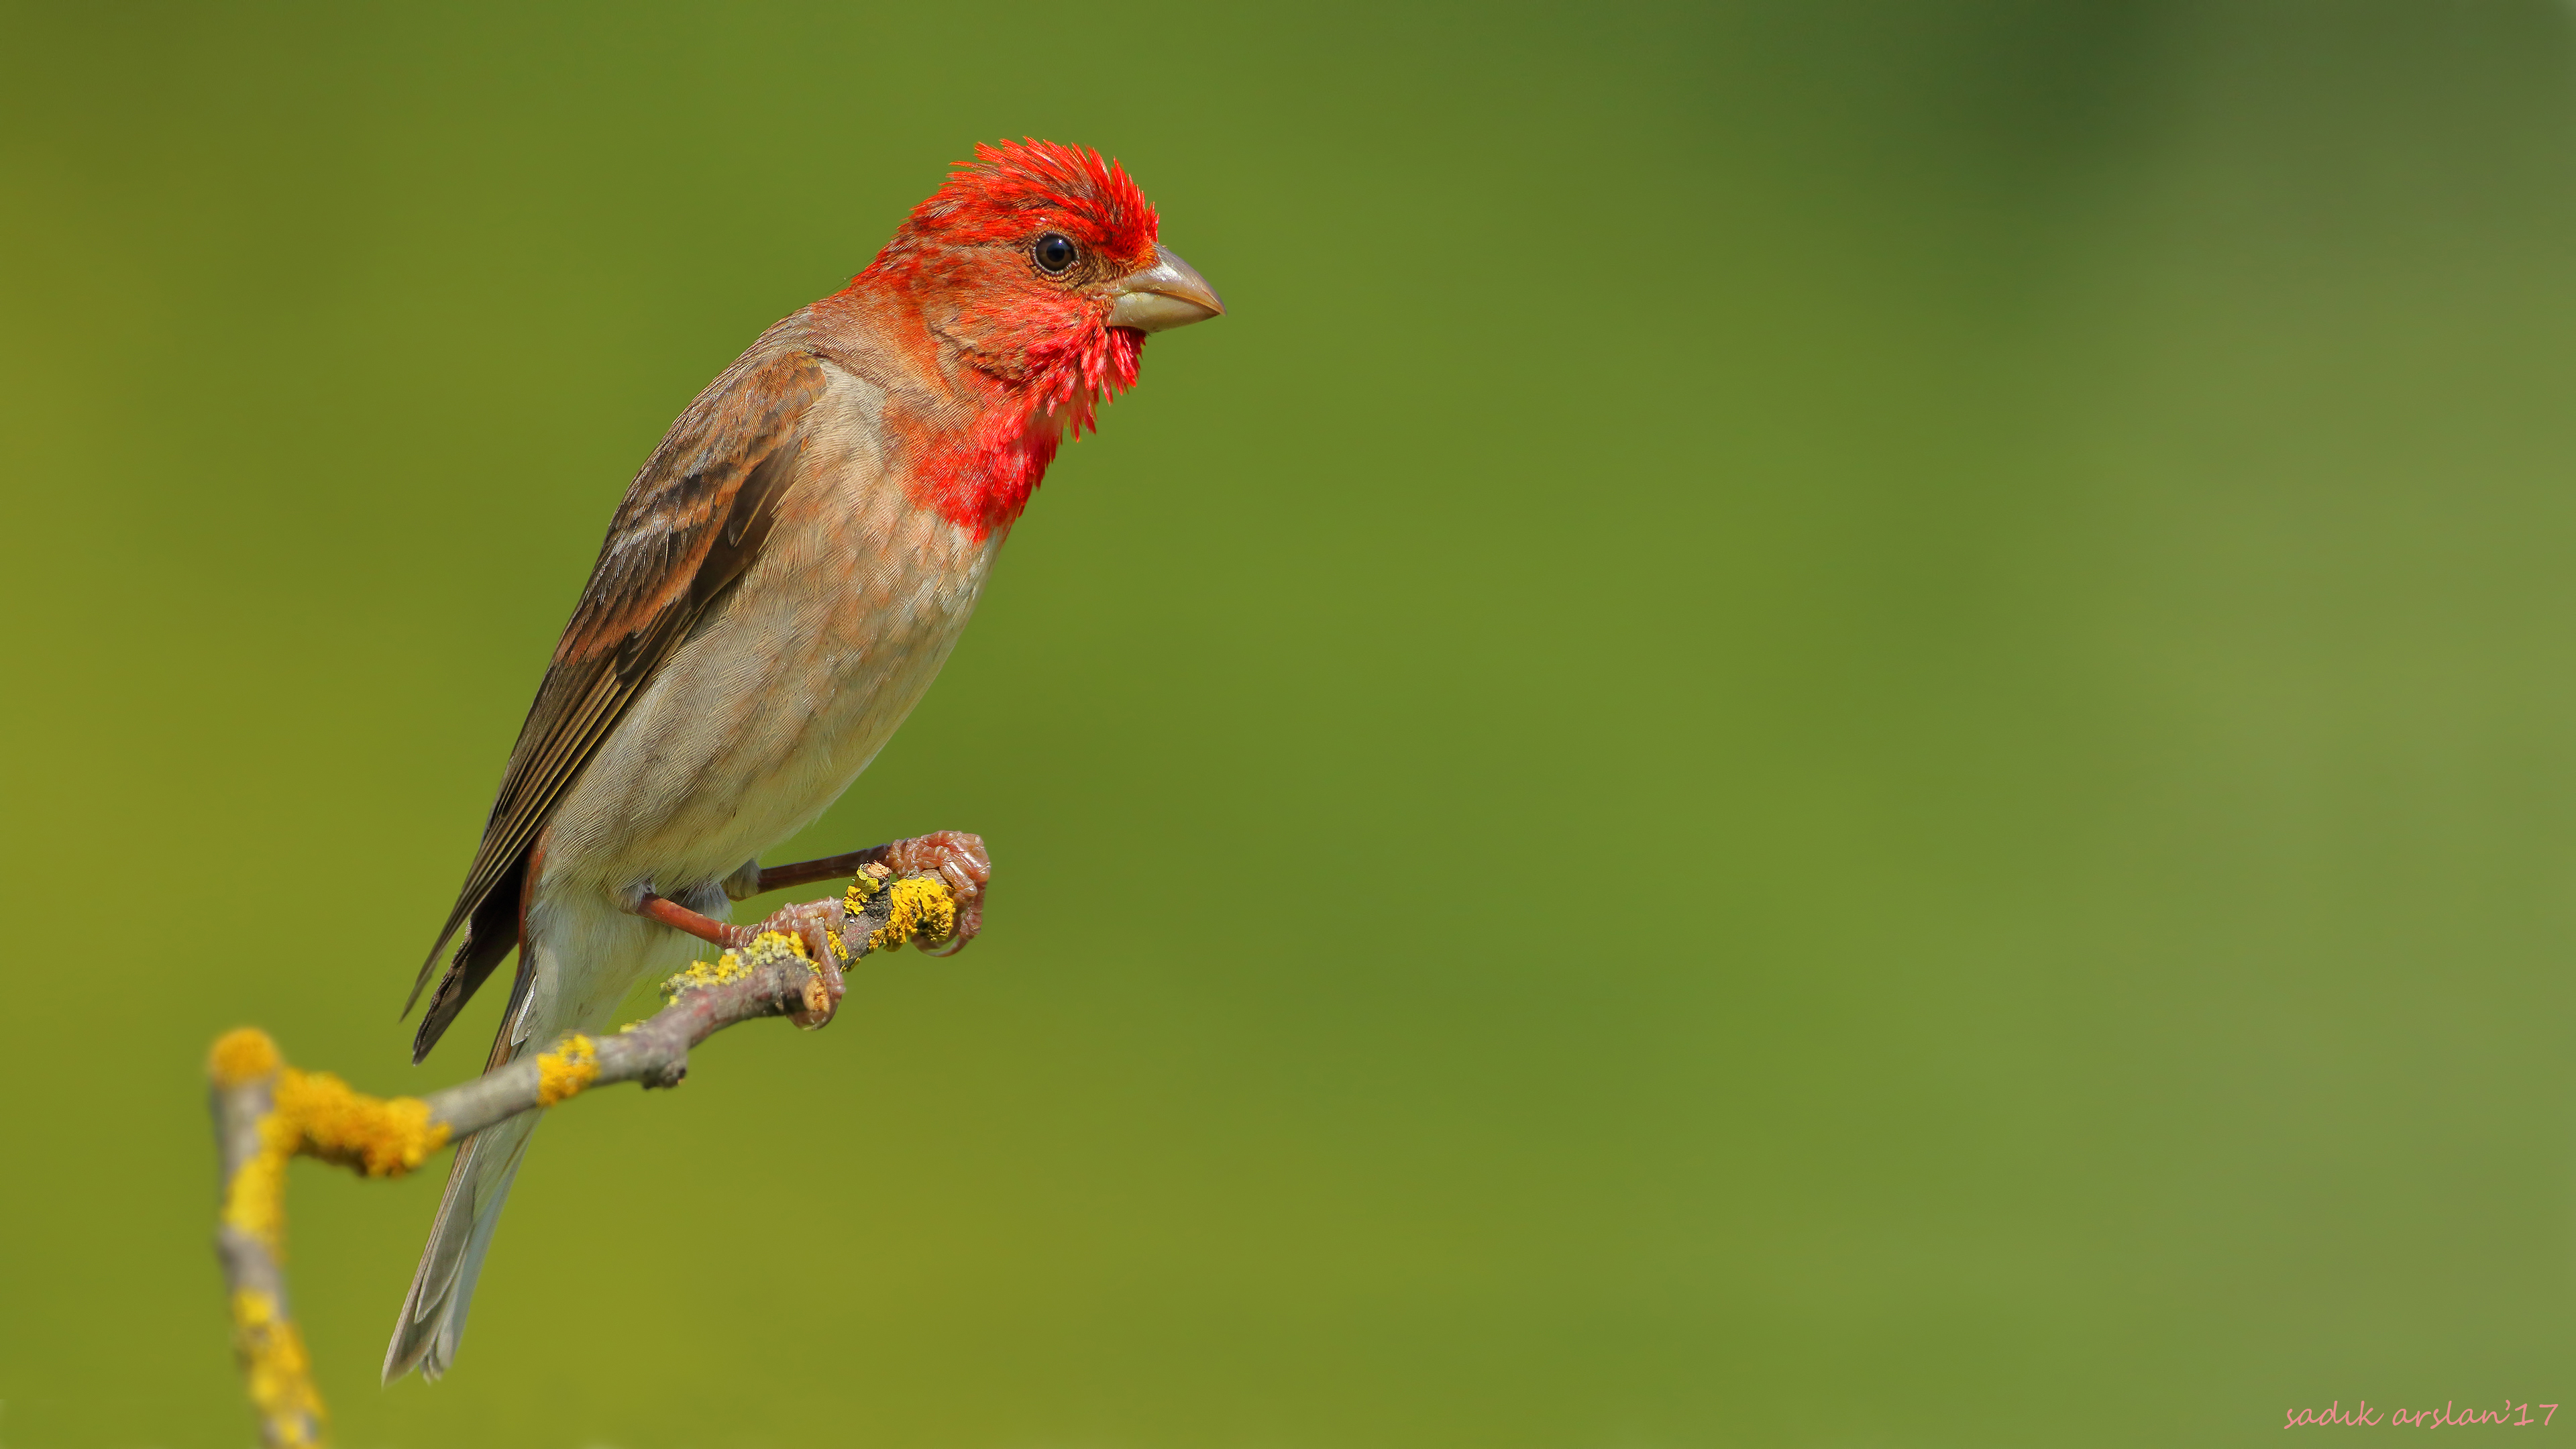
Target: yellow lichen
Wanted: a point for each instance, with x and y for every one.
(241, 1057)
(317, 1115)
(701, 974)
(255, 1200)
(278, 1369)
(863, 888)
(380, 1136)
(727, 967)
(917, 907)
(730, 966)
(563, 1072)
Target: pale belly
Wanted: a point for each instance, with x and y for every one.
(760, 720)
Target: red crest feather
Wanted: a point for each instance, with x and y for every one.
(1009, 188)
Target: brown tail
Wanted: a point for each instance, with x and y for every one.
(433, 1312)
(478, 1183)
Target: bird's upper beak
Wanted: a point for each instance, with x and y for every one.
(1168, 294)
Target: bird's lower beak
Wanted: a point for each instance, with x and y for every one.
(1168, 294)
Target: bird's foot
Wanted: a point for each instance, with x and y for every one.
(956, 858)
(818, 925)
(961, 862)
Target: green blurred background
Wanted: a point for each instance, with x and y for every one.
(1823, 724)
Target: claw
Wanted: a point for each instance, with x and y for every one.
(961, 861)
(955, 856)
(819, 925)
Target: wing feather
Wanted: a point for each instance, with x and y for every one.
(693, 520)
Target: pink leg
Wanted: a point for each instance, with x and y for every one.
(816, 923)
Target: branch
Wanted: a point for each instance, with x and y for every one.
(267, 1112)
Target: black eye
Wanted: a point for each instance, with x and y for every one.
(1054, 253)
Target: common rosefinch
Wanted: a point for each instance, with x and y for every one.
(781, 583)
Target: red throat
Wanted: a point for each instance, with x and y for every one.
(983, 480)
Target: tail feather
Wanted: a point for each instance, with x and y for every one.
(442, 1288)
(552, 992)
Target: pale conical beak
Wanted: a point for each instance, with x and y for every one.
(1168, 294)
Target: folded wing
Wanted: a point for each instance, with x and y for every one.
(692, 522)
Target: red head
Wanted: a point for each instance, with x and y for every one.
(1035, 267)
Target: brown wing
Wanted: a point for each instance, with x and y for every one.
(693, 520)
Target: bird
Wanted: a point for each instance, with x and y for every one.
(778, 588)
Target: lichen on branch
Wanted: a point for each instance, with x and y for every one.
(268, 1113)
